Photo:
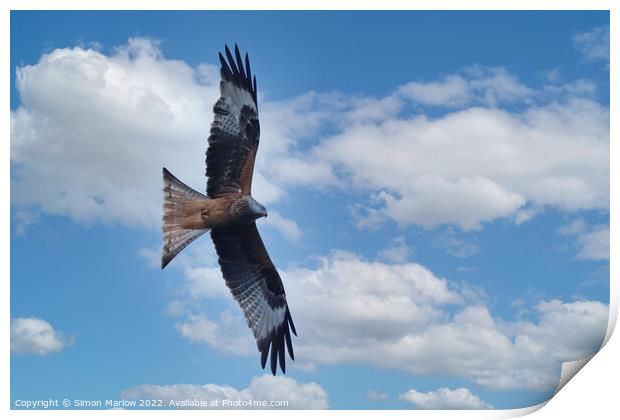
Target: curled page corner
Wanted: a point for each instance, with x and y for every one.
(570, 369)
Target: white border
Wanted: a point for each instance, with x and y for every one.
(593, 394)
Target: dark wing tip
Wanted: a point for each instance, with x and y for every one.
(225, 70)
(290, 321)
(263, 357)
(231, 61)
(281, 353)
(274, 348)
(233, 69)
(165, 261)
(247, 66)
(274, 354)
(240, 64)
(166, 257)
(289, 343)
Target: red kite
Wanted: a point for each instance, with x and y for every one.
(229, 212)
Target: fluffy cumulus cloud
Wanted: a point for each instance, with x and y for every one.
(444, 399)
(384, 327)
(93, 131)
(401, 316)
(282, 392)
(35, 336)
(479, 164)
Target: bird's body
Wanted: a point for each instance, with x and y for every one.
(207, 213)
(229, 212)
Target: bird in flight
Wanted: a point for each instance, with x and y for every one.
(229, 213)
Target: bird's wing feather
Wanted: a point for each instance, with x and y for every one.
(257, 288)
(235, 130)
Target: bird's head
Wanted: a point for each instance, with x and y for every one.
(257, 210)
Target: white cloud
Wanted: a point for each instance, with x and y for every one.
(592, 242)
(205, 282)
(401, 316)
(93, 132)
(97, 129)
(430, 201)
(479, 164)
(496, 85)
(287, 227)
(594, 245)
(35, 336)
(445, 399)
(594, 44)
(482, 85)
(398, 251)
(266, 388)
(229, 334)
(291, 124)
(453, 90)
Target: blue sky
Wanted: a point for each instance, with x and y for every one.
(438, 187)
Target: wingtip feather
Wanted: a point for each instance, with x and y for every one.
(281, 353)
(231, 60)
(239, 62)
(274, 354)
(290, 321)
(289, 343)
(247, 67)
(234, 68)
(227, 73)
(263, 357)
(164, 261)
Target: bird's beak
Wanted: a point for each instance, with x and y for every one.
(265, 213)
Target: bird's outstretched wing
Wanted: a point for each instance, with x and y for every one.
(257, 288)
(235, 130)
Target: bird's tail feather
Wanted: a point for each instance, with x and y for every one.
(176, 235)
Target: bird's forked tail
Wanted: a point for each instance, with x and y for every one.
(179, 228)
